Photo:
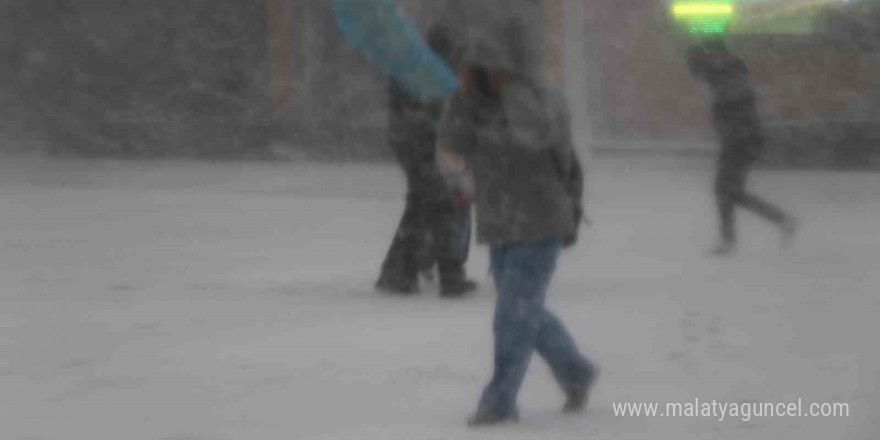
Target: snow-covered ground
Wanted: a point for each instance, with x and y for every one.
(175, 300)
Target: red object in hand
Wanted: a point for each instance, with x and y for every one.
(461, 199)
(462, 185)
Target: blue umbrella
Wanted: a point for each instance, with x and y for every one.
(394, 44)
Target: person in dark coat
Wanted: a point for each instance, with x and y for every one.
(435, 227)
(735, 117)
(514, 134)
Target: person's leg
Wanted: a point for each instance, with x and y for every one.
(729, 182)
(522, 273)
(400, 268)
(465, 228)
(449, 233)
(726, 219)
(762, 208)
(574, 373)
(496, 263)
(426, 262)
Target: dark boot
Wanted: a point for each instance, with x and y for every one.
(399, 274)
(576, 400)
(458, 288)
(489, 418)
(397, 285)
(453, 282)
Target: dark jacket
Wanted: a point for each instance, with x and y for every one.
(527, 177)
(734, 107)
(412, 135)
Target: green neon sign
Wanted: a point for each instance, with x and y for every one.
(704, 17)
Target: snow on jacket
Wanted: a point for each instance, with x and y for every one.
(518, 145)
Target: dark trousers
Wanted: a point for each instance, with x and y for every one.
(730, 192)
(431, 230)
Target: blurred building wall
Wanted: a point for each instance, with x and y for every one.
(200, 77)
(643, 97)
(125, 78)
(338, 101)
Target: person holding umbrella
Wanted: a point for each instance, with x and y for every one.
(435, 226)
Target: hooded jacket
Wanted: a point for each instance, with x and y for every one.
(734, 107)
(528, 182)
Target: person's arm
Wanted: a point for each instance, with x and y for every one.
(449, 161)
(453, 167)
(573, 172)
(568, 164)
(456, 135)
(456, 139)
(457, 129)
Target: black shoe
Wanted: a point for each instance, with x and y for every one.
(489, 418)
(458, 288)
(576, 400)
(397, 285)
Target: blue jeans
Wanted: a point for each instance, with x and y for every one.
(521, 325)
